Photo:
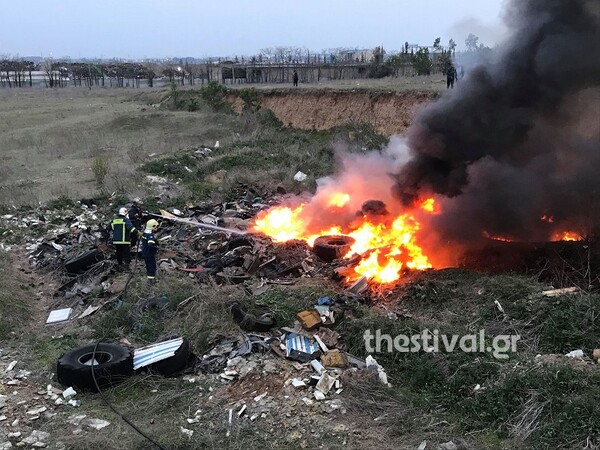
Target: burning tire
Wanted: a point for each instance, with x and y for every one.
(113, 363)
(329, 248)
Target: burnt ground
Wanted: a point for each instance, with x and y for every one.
(472, 399)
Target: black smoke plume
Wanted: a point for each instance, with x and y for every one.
(518, 139)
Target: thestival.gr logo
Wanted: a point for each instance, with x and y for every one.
(433, 342)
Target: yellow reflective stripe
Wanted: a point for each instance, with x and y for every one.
(151, 278)
(151, 242)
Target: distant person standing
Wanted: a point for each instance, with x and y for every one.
(149, 249)
(295, 78)
(122, 229)
(450, 77)
(136, 216)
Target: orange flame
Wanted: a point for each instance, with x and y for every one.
(339, 199)
(429, 205)
(567, 236)
(387, 244)
(496, 238)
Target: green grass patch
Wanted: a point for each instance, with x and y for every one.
(46, 350)
(14, 297)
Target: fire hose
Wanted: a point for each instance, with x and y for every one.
(168, 216)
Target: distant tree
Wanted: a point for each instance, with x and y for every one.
(451, 45)
(378, 54)
(444, 62)
(471, 42)
(49, 70)
(406, 48)
(395, 62)
(422, 62)
(436, 45)
(377, 69)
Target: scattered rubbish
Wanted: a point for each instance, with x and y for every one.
(324, 348)
(166, 358)
(310, 319)
(250, 322)
(11, 366)
(229, 422)
(359, 286)
(334, 358)
(36, 438)
(449, 446)
(301, 348)
(188, 433)
(59, 315)
(74, 403)
(90, 310)
(499, 306)
(325, 301)
(97, 424)
(373, 364)
(69, 393)
(297, 383)
(329, 337)
(258, 398)
(317, 366)
(307, 401)
(300, 176)
(319, 395)
(575, 354)
(153, 353)
(241, 411)
(325, 383)
(422, 445)
(596, 354)
(562, 291)
(36, 411)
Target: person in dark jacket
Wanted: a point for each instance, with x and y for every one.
(295, 78)
(450, 77)
(150, 248)
(136, 215)
(122, 229)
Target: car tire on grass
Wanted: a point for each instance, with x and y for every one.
(114, 363)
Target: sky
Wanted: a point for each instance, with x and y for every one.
(199, 28)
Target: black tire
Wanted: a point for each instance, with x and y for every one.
(143, 307)
(82, 262)
(115, 364)
(329, 248)
(249, 322)
(240, 241)
(176, 363)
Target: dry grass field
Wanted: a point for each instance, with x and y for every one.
(50, 139)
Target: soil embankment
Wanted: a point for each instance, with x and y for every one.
(388, 112)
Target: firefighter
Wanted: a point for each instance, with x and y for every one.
(136, 216)
(150, 248)
(122, 229)
(450, 77)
